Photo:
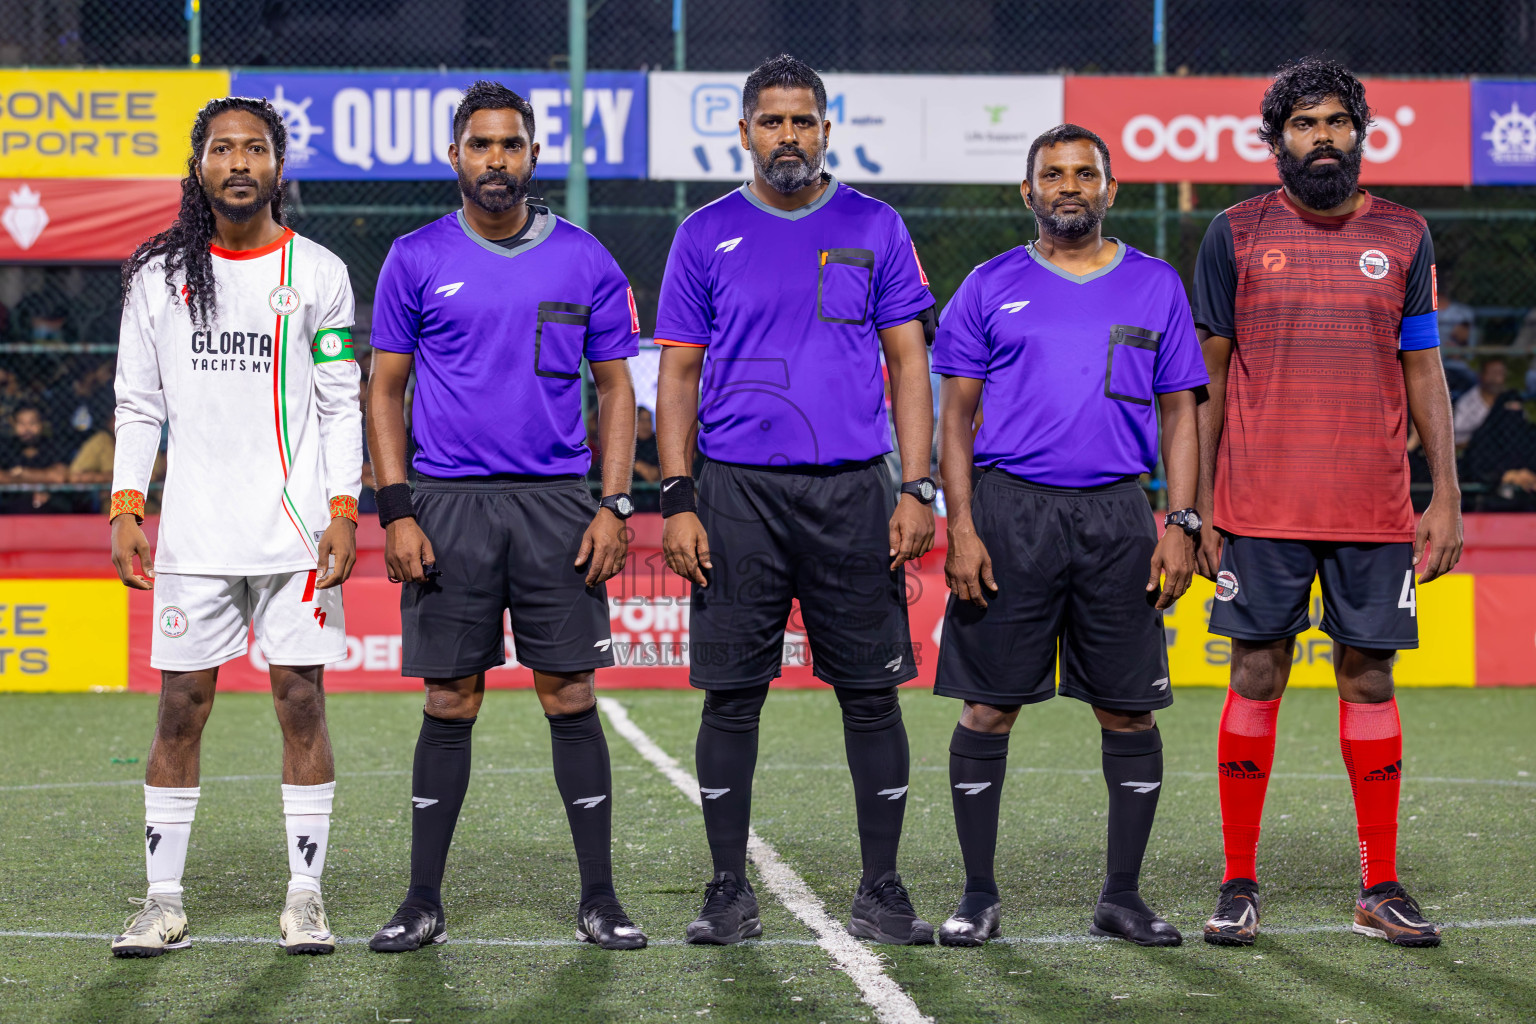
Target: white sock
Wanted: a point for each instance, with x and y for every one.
(308, 809)
(168, 814)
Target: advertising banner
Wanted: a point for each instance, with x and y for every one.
(1503, 133)
(63, 635)
(79, 220)
(101, 124)
(956, 129)
(1206, 129)
(648, 613)
(364, 125)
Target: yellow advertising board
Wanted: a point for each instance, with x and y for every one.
(63, 635)
(1446, 655)
(101, 124)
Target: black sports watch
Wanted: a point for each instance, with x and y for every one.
(1186, 519)
(619, 504)
(924, 490)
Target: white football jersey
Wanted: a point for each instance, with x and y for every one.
(262, 403)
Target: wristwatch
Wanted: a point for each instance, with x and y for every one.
(619, 504)
(923, 490)
(1186, 519)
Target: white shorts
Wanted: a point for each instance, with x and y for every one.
(204, 621)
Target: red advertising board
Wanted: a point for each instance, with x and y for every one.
(647, 612)
(75, 220)
(1206, 129)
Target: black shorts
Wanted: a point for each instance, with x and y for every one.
(1071, 567)
(1264, 587)
(819, 534)
(504, 545)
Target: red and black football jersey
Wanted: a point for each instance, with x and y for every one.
(1314, 443)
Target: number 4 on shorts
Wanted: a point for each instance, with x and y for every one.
(1409, 598)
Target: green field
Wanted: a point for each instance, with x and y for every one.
(70, 839)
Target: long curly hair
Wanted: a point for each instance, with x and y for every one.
(185, 244)
(1311, 80)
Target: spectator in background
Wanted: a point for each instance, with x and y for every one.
(1502, 455)
(92, 397)
(12, 395)
(1457, 322)
(30, 456)
(1472, 408)
(40, 319)
(92, 464)
(647, 461)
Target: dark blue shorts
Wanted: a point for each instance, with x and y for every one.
(1370, 598)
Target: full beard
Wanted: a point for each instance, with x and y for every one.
(1070, 226)
(1321, 187)
(787, 177)
(240, 213)
(513, 195)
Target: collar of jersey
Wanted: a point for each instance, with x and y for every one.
(1317, 218)
(251, 254)
(804, 211)
(492, 247)
(1080, 278)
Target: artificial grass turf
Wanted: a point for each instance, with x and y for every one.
(72, 858)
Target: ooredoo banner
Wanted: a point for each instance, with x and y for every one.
(1206, 129)
(366, 125)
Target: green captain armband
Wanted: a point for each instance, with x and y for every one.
(332, 345)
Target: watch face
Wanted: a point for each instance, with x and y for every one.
(625, 506)
(926, 490)
(1192, 521)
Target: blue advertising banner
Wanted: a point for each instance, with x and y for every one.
(365, 125)
(1503, 132)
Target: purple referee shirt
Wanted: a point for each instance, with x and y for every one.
(498, 335)
(787, 304)
(1071, 364)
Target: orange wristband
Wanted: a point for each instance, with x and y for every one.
(127, 501)
(344, 506)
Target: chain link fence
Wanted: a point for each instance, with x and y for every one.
(58, 324)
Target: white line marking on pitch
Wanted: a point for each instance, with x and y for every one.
(888, 999)
(1010, 940)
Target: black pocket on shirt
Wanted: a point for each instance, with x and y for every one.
(1132, 363)
(559, 338)
(843, 282)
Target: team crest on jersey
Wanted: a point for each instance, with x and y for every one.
(283, 300)
(1226, 585)
(1374, 264)
(173, 621)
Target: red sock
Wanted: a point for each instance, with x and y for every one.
(1245, 752)
(1371, 738)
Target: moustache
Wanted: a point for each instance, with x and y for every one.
(495, 178)
(240, 182)
(1326, 153)
(789, 151)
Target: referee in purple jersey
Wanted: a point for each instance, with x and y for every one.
(1074, 345)
(494, 307)
(781, 296)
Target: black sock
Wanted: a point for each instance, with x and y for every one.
(582, 773)
(876, 742)
(725, 757)
(439, 781)
(1133, 771)
(978, 763)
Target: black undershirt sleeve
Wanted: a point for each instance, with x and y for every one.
(1215, 291)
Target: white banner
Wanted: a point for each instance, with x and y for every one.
(955, 129)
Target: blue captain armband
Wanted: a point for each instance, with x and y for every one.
(1422, 331)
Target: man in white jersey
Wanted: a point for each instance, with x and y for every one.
(237, 333)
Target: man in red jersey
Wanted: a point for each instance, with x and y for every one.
(1316, 310)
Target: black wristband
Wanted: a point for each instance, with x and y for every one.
(394, 503)
(677, 496)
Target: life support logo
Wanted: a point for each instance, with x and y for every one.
(1226, 585)
(283, 300)
(173, 621)
(1274, 259)
(1374, 264)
